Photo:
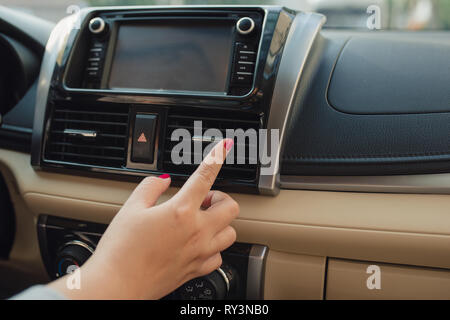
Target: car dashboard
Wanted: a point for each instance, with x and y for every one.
(359, 165)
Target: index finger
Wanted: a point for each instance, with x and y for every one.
(200, 182)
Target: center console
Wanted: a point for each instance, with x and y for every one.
(117, 84)
(66, 244)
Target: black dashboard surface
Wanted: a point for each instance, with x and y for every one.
(392, 75)
(362, 137)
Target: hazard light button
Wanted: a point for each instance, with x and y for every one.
(143, 148)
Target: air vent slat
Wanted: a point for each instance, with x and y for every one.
(194, 118)
(105, 135)
(107, 144)
(214, 119)
(89, 112)
(237, 145)
(246, 159)
(90, 122)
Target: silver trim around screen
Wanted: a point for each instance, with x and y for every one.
(256, 271)
(419, 184)
(302, 33)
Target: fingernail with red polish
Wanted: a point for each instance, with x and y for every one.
(164, 176)
(228, 144)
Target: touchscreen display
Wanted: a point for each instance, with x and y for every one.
(181, 55)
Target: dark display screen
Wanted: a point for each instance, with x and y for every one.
(181, 55)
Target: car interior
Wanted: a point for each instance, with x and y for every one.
(353, 204)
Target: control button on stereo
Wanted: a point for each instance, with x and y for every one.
(246, 47)
(248, 56)
(214, 286)
(97, 25)
(96, 51)
(242, 77)
(245, 25)
(245, 66)
(245, 52)
(93, 74)
(144, 138)
(94, 61)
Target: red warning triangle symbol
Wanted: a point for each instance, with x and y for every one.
(142, 138)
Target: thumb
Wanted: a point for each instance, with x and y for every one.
(149, 190)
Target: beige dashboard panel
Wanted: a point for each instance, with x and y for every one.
(348, 280)
(292, 276)
(411, 229)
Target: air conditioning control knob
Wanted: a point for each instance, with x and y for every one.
(97, 25)
(214, 286)
(72, 255)
(245, 25)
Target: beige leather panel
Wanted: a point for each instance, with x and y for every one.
(348, 280)
(393, 228)
(291, 276)
(393, 247)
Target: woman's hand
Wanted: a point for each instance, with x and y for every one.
(148, 251)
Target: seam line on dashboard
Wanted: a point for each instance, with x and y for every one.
(71, 198)
(290, 157)
(400, 232)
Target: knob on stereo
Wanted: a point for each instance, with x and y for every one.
(245, 25)
(214, 286)
(71, 255)
(97, 25)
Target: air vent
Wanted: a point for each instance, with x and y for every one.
(221, 120)
(95, 135)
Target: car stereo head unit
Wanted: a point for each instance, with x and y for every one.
(130, 91)
(185, 52)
